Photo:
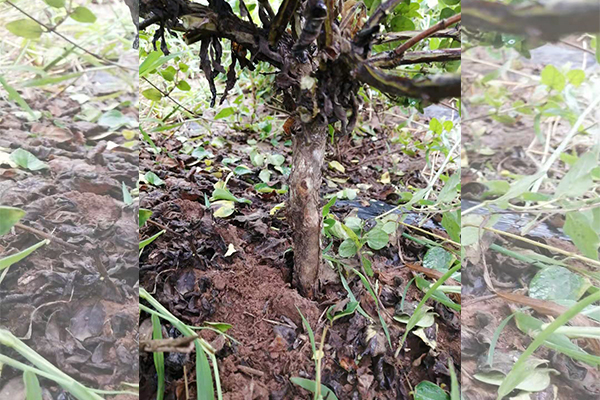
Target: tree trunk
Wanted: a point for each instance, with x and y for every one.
(308, 148)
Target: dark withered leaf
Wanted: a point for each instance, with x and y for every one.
(206, 68)
(231, 78)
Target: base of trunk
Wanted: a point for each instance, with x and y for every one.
(304, 205)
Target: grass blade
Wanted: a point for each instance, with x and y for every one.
(420, 311)
(159, 358)
(10, 260)
(518, 371)
(311, 386)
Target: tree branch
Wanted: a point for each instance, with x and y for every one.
(282, 19)
(390, 60)
(432, 89)
(548, 23)
(406, 35)
(443, 24)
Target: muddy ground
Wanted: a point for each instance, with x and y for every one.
(188, 271)
(492, 149)
(75, 300)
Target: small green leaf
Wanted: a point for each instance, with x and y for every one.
(9, 216)
(580, 230)
(337, 166)
(576, 77)
(329, 204)
(311, 386)
(153, 179)
(429, 391)
(144, 215)
(127, 199)
(439, 259)
(55, 3)
(556, 283)
(347, 248)
(84, 15)
(377, 239)
(553, 78)
(436, 126)
(220, 326)
(242, 170)
(151, 239)
(152, 94)
(224, 113)
(10, 260)
(200, 153)
(25, 28)
(32, 386)
(168, 73)
(25, 159)
(223, 208)
(183, 86)
(402, 23)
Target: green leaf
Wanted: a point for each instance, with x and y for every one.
(223, 208)
(436, 126)
(127, 199)
(439, 259)
(377, 239)
(347, 249)
(451, 189)
(350, 308)
(168, 73)
(520, 368)
(200, 153)
(55, 3)
(10, 260)
(311, 386)
(224, 113)
(144, 215)
(25, 28)
(84, 15)
(159, 357)
(183, 86)
(429, 391)
(25, 159)
(580, 230)
(335, 165)
(224, 194)
(242, 170)
(14, 95)
(579, 178)
(553, 78)
(220, 326)
(152, 94)
(151, 239)
(153, 179)
(114, 119)
(9, 216)
(32, 386)
(154, 60)
(576, 77)
(451, 222)
(329, 204)
(265, 175)
(402, 23)
(556, 283)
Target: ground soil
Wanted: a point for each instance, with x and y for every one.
(187, 271)
(75, 300)
(491, 149)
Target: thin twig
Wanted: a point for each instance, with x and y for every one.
(170, 98)
(52, 30)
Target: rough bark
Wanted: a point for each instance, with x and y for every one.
(304, 213)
